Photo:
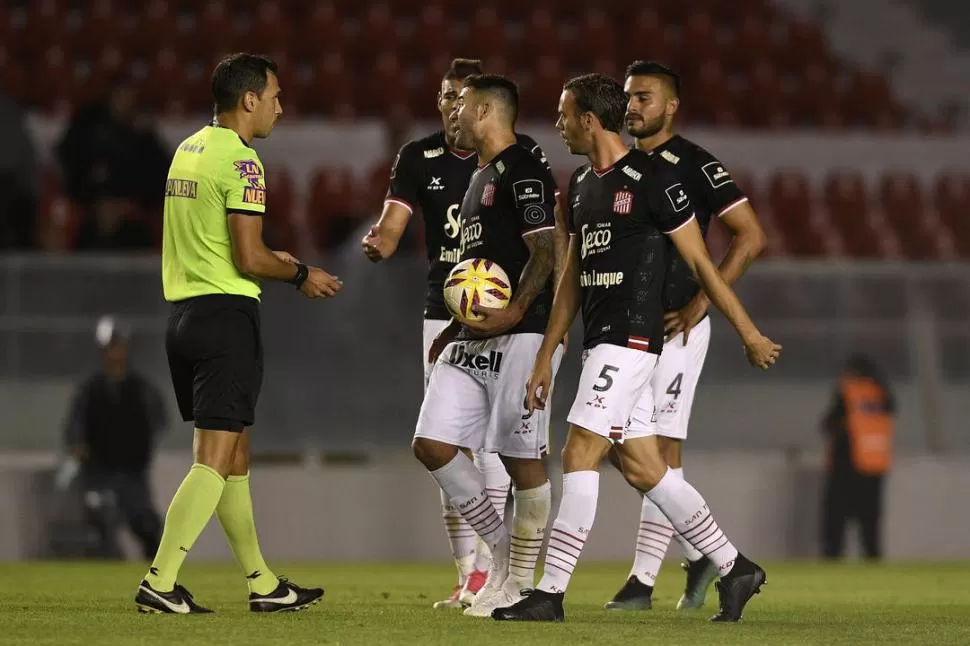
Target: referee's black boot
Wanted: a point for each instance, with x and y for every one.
(286, 597)
(536, 606)
(178, 601)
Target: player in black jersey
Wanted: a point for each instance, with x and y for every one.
(620, 208)
(654, 96)
(475, 396)
(432, 174)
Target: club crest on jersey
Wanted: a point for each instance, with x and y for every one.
(488, 194)
(623, 202)
(250, 171)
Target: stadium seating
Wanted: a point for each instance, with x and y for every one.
(772, 71)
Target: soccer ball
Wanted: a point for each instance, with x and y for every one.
(476, 281)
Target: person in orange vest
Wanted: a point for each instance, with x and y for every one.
(859, 428)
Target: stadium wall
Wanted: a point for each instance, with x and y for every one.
(386, 507)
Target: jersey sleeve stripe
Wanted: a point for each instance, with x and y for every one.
(397, 200)
(732, 205)
(244, 211)
(544, 227)
(681, 226)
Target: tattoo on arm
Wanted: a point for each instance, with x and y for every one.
(542, 260)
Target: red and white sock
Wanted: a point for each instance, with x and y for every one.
(690, 516)
(529, 520)
(690, 552)
(653, 537)
(461, 537)
(497, 483)
(465, 487)
(577, 511)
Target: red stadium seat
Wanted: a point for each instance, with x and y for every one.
(762, 98)
(377, 32)
(951, 199)
(539, 98)
(803, 42)
(51, 78)
(847, 201)
(101, 25)
(381, 86)
(157, 27)
(331, 204)
(12, 76)
(486, 34)
(595, 37)
(751, 40)
(902, 202)
(434, 36)
(319, 31)
(46, 26)
(643, 38)
(701, 40)
(280, 228)
(867, 95)
(540, 36)
(790, 202)
(270, 29)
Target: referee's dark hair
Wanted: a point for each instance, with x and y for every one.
(498, 87)
(462, 68)
(601, 95)
(653, 68)
(237, 74)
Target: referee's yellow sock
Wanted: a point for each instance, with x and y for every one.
(190, 510)
(235, 512)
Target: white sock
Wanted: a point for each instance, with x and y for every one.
(577, 510)
(688, 513)
(497, 483)
(461, 537)
(465, 487)
(529, 520)
(653, 537)
(690, 552)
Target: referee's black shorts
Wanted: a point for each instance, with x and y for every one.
(215, 354)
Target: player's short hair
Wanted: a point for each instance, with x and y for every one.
(237, 74)
(462, 68)
(601, 95)
(500, 87)
(653, 68)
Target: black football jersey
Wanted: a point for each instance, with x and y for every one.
(711, 191)
(429, 174)
(619, 217)
(510, 197)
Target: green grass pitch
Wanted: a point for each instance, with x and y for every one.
(803, 603)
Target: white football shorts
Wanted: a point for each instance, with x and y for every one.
(664, 409)
(432, 328)
(476, 397)
(613, 379)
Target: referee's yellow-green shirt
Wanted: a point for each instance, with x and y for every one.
(213, 173)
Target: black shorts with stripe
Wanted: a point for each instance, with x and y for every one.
(215, 355)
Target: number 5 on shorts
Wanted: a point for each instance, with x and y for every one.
(606, 377)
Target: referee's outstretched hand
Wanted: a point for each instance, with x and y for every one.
(320, 284)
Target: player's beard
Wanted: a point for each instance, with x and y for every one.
(642, 128)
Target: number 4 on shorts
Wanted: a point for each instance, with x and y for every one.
(674, 387)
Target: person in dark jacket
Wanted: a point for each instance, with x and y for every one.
(114, 421)
(859, 429)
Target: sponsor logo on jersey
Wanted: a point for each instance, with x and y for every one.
(250, 172)
(632, 174)
(471, 235)
(453, 221)
(181, 188)
(598, 401)
(481, 365)
(254, 196)
(600, 279)
(677, 196)
(594, 241)
(193, 146)
(669, 156)
(436, 184)
(434, 152)
(623, 202)
(528, 191)
(715, 174)
(488, 194)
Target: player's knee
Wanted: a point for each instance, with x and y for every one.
(644, 476)
(432, 454)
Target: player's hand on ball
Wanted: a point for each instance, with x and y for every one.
(320, 284)
(685, 319)
(371, 245)
(762, 352)
(539, 384)
(286, 257)
(496, 320)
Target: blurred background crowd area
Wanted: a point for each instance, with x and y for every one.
(101, 77)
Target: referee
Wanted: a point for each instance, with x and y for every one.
(213, 256)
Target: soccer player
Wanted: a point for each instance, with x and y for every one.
(654, 96)
(432, 174)
(213, 257)
(621, 207)
(475, 396)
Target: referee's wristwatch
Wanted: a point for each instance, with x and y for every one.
(301, 275)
